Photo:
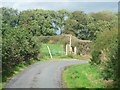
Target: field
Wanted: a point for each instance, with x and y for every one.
(82, 76)
(58, 52)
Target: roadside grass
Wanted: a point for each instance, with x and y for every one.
(82, 76)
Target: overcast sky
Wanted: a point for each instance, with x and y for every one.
(72, 5)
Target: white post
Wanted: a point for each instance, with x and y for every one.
(75, 50)
(49, 51)
(66, 49)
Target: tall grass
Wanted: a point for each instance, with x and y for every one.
(82, 76)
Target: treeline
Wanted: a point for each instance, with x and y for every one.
(48, 22)
(19, 28)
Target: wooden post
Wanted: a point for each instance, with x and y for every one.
(49, 51)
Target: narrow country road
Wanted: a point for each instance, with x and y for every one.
(42, 75)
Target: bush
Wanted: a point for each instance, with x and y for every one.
(105, 54)
(95, 57)
(17, 46)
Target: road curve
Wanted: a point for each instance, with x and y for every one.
(42, 74)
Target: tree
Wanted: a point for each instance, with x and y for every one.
(76, 25)
(59, 20)
(18, 45)
(37, 22)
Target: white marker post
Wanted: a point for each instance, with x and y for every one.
(75, 50)
(49, 51)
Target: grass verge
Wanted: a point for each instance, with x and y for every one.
(82, 76)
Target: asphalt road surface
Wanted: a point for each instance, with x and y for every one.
(42, 74)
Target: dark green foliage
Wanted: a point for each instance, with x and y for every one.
(37, 22)
(18, 46)
(95, 57)
(47, 22)
(87, 26)
(42, 22)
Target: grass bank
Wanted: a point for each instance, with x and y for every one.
(82, 76)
